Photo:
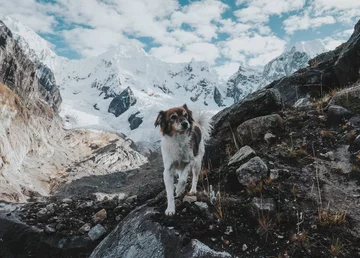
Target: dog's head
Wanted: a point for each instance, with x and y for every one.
(175, 120)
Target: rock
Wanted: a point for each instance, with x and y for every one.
(97, 232)
(85, 228)
(122, 102)
(202, 206)
(190, 198)
(242, 156)
(99, 216)
(42, 214)
(269, 138)
(259, 103)
(329, 155)
(355, 145)
(135, 121)
(66, 200)
(261, 205)
(218, 98)
(50, 208)
(244, 247)
(302, 103)
(139, 236)
(348, 98)
(252, 170)
(254, 129)
(131, 199)
(354, 122)
(274, 174)
(50, 229)
(337, 114)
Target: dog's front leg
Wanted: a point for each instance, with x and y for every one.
(181, 184)
(169, 186)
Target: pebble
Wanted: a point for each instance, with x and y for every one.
(190, 198)
(42, 214)
(85, 228)
(99, 216)
(50, 229)
(96, 232)
(202, 205)
(50, 208)
(132, 199)
(66, 200)
(244, 247)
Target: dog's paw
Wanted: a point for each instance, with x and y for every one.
(170, 212)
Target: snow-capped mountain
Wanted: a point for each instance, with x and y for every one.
(123, 89)
(243, 82)
(312, 47)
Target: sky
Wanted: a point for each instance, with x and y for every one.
(224, 33)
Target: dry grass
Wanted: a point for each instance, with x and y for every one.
(351, 136)
(328, 218)
(266, 225)
(327, 134)
(300, 238)
(254, 188)
(336, 247)
(7, 96)
(219, 212)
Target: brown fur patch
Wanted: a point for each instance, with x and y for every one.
(195, 140)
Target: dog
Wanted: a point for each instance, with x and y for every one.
(182, 149)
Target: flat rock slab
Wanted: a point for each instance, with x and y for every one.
(252, 170)
(241, 156)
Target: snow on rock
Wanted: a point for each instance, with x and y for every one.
(312, 47)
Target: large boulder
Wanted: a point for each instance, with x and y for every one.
(260, 103)
(254, 129)
(122, 102)
(139, 236)
(348, 98)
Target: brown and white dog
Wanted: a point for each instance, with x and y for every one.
(182, 148)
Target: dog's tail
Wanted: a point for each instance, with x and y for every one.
(203, 119)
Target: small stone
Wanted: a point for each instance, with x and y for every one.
(66, 200)
(269, 138)
(329, 155)
(85, 228)
(132, 199)
(49, 229)
(118, 217)
(242, 156)
(64, 205)
(337, 114)
(42, 214)
(274, 174)
(59, 227)
(202, 205)
(50, 208)
(302, 103)
(244, 247)
(96, 232)
(263, 204)
(252, 170)
(256, 249)
(229, 230)
(190, 198)
(86, 204)
(99, 216)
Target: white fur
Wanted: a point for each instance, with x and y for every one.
(176, 150)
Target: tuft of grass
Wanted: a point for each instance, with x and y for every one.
(351, 136)
(219, 212)
(266, 225)
(254, 188)
(300, 238)
(328, 218)
(295, 191)
(336, 247)
(327, 134)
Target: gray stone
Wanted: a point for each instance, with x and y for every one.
(329, 155)
(337, 114)
(50, 229)
(242, 156)
(355, 145)
(202, 206)
(269, 138)
(348, 98)
(254, 129)
(85, 228)
(42, 214)
(97, 232)
(99, 216)
(190, 198)
(261, 205)
(252, 170)
(274, 174)
(139, 236)
(302, 103)
(50, 208)
(354, 122)
(131, 199)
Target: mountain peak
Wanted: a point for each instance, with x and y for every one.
(312, 47)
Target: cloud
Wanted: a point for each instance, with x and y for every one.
(295, 23)
(199, 51)
(259, 49)
(337, 39)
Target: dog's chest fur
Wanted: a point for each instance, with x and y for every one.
(177, 150)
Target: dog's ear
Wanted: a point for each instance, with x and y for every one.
(190, 115)
(160, 119)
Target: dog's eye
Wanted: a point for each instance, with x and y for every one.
(185, 115)
(173, 117)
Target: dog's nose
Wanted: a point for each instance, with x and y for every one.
(184, 125)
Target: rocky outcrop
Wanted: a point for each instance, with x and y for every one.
(335, 69)
(225, 123)
(242, 83)
(33, 82)
(135, 121)
(122, 102)
(139, 236)
(348, 98)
